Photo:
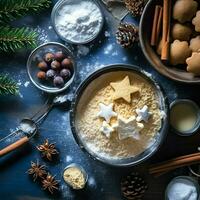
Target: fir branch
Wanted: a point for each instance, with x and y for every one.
(8, 86)
(13, 9)
(12, 39)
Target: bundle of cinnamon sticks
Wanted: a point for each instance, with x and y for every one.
(162, 18)
(182, 161)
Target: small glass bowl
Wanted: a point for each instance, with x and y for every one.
(192, 180)
(197, 124)
(81, 169)
(32, 68)
(53, 17)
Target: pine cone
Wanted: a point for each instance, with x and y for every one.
(133, 187)
(135, 6)
(127, 35)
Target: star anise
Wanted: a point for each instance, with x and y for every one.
(50, 183)
(47, 150)
(37, 170)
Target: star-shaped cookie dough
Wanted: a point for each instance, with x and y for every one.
(106, 111)
(143, 114)
(123, 89)
(128, 128)
(106, 129)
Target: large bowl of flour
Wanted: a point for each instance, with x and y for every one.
(77, 21)
(119, 115)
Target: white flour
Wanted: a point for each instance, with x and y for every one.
(78, 21)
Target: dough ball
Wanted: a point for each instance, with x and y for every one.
(179, 52)
(181, 32)
(193, 63)
(195, 44)
(184, 10)
(196, 21)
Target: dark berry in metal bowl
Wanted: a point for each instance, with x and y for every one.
(65, 73)
(58, 81)
(50, 73)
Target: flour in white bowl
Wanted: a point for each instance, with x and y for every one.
(78, 21)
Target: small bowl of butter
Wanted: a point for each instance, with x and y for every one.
(184, 117)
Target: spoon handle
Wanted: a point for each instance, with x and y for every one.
(14, 146)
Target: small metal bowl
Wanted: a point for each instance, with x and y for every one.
(81, 169)
(54, 14)
(196, 126)
(163, 104)
(145, 27)
(192, 180)
(33, 69)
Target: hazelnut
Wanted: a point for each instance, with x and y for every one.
(43, 66)
(49, 57)
(50, 73)
(58, 81)
(41, 75)
(55, 65)
(65, 73)
(66, 63)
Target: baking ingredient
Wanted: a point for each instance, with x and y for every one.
(123, 89)
(50, 73)
(183, 116)
(184, 10)
(196, 21)
(78, 21)
(65, 73)
(143, 114)
(106, 129)
(42, 66)
(74, 176)
(106, 112)
(128, 128)
(98, 91)
(135, 6)
(133, 186)
(50, 183)
(37, 170)
(58, 81)
(181, 32)
(55, 65)
(49, 57)
(8, 85)
(182, 189)
(66, 63)
(59, 56)
(41, 75)
(195, 44)
(48, 150)
(193, 63)
(179, 52)
(127, 35)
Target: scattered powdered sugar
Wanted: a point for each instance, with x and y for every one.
(26, 84)
(124, 58)
(91, 182)
(68, 158)
(108, 49)
(78, 21)
(107, 34)
(43, 35)
(82, 50)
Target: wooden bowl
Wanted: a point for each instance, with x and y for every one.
(167, 70)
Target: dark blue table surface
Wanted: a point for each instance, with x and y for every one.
(104, 181)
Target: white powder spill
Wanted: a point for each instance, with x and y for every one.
(26, 84)
(82, 50)
(108, 49)
(43, 35)
(124, 59)
(107, 34)
(91, 182)
(115, 53)
(68, 158)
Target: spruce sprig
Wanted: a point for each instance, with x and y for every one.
(8, 86)
(13, 9)
(12, 39)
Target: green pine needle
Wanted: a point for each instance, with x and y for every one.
(13, 39)
(13, 9)
(8, 86)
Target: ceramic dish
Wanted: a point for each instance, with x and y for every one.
(154, 59)
(85, 86)
(55, 13)
(33, 70)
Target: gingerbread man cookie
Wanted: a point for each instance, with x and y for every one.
(193, 63)
(196, 21)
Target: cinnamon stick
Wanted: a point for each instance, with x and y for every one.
(156, 25)
(166, 29)
(174, 163)
(14, 146)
